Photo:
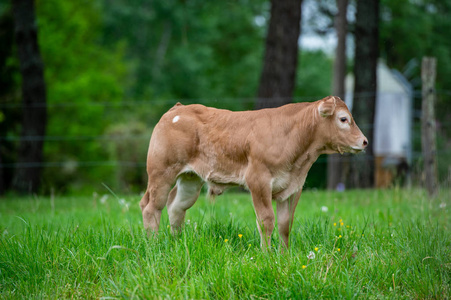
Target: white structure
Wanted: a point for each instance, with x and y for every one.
(393, 118)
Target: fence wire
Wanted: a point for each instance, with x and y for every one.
(105, 139)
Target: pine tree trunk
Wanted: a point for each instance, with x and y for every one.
(365, 87)
(335, 164)
(278, 77)
(28, 173)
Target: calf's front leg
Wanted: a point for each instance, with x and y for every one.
(285, 215)
(258, 182)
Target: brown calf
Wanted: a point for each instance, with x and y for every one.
(268, 151)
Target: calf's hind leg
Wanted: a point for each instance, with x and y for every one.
(182, 197)
(154, 200)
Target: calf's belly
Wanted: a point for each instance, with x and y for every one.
(219, 179)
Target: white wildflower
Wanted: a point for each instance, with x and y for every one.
(311, 255)
(442, 205)
(124, 204)
(104, 199)
(324, 209)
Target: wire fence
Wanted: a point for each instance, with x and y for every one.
(222, 102)
(103, 140)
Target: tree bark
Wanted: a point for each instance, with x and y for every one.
(7, 88)
(28, 173)
(336, 165)
(365, 87)
(428, 126)
(278, 77)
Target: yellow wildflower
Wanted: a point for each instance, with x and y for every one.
(316, 248)
(304, 266)
(226, 240)
(240, 235)
(338, 249)
(339, 236)
(335, 224)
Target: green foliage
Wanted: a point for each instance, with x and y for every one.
(99, 53)
(413, 29)
(128, 144)
(368, 245)
(81, 75)
(188, 50)
(314, 77)
(149, 52)
(102, 55)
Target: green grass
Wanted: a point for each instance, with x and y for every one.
(390, 244)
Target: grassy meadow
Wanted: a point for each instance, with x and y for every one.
(352, 245)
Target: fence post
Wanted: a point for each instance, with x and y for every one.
(428, 126)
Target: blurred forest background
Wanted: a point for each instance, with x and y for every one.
(113, 67)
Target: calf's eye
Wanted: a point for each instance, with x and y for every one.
(343, 120)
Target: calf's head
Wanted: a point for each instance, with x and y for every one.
(337, 127)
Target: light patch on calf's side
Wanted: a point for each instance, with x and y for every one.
(176, 118)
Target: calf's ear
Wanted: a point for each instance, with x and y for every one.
(327, 107)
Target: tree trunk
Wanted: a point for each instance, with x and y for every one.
(278, 77)
(365, 87)
(428, 127)
(28, 173)
(7, 90)
(336, 165)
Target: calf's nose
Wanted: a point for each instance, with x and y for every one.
(365, 142)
